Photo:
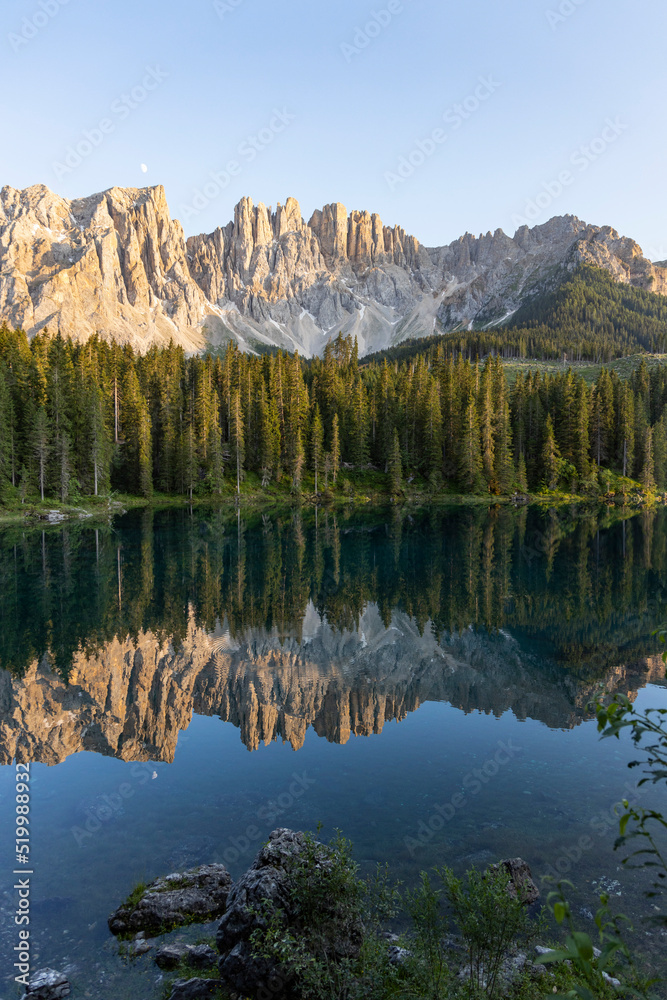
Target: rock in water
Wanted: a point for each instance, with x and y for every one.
(521, 884)
(47, 984)
(194, 896)
(170, 955)
(267, 891)
(195, 989)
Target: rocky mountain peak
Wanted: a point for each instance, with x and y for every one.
(116, 264)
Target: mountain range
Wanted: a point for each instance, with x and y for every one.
(116, 264)
(131, 697)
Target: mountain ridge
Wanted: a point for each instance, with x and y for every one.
(116, 264)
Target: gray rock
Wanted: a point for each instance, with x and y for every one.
(47, 984)
(265, 893)
(194, 989)
(194, 896)
(398, 956)
(521, 880)
(201, 956)
(140, 947)
(170, 955)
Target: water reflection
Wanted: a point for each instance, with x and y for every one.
(111, 639)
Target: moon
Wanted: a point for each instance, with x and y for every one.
(144, 168)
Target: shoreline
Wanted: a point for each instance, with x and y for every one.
(52, 513)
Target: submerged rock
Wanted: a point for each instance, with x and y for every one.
(47, 984)
(266, 892)
(188, 897)
(195, 989)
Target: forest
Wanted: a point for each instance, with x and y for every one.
(588, 316)
(83, 419)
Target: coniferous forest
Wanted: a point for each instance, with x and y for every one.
(83, 419)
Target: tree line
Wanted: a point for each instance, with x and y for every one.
(81, 419)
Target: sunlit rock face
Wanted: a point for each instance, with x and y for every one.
(131, 699)
(116, 264)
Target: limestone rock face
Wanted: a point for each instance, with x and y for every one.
(112, 264)
(116, 264)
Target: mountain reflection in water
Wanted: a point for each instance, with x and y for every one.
(111, 639)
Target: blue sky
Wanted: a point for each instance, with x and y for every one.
(495, 111)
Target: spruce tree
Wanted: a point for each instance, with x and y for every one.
(550, 464)
(395, 465)
(316, 443)
(335, 449)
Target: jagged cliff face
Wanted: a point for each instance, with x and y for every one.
(116, 264)
(113, 264)
(131, 700)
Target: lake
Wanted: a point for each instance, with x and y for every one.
(181, 682)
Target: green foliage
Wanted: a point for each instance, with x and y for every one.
(591, 963)
(334, 949)
(642, 828)
(491, 921)
(105, 418)
(136, 895)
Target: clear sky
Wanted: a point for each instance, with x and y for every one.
(444, 117)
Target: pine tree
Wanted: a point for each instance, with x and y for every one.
(316, 443)
(521, 475)
(335, 449)
(395, 465)
(503, 464)
(550, 456)
(298, 461)
(625, 437)
(237, 437)
(660, 452)
(485, 411)
(603, 419)
(470, 459)
(647, 470)
(41, 448)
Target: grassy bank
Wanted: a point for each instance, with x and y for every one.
(353, 487)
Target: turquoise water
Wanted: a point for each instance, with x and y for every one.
(182, 684)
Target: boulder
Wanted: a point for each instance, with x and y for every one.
(201, 956)
(267, 892)
(47, 984)
(195, 896)
(195, 989)
(170, 955)
(521, 883)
